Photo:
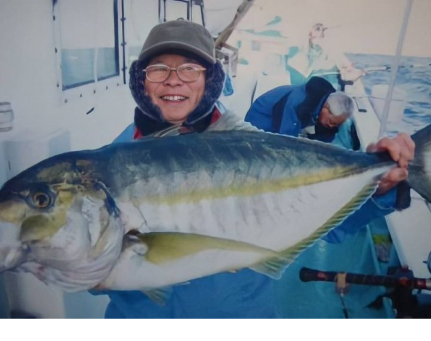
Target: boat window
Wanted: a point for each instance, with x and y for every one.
(143, 15)
(87, 42)
(192, 10)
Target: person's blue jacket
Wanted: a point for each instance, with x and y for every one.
(244, 294)
(288, 109)
(261, 113)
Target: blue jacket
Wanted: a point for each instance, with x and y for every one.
(245, 294)
(260, 113)
(288, 109)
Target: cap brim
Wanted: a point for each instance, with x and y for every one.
(174, 45)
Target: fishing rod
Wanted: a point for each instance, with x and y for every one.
(377, 68)
(308, 275)
(388, 67)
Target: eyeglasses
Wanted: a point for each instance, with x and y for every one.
(187, 72)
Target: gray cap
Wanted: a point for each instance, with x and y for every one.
(179, 35)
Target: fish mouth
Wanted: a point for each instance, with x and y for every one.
(12, 251)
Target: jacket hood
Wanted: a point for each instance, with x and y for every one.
(214, 83)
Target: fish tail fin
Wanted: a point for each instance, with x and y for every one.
(420, 170)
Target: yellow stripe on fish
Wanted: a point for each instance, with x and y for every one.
(254, 187)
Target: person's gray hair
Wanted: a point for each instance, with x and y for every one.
(340, 104)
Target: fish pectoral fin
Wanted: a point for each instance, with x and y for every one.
(164, 247)
(273, 267)
(133, 245)
(159, 296)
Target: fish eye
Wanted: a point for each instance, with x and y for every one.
(41, 200)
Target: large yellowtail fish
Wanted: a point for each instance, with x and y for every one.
(162, 211)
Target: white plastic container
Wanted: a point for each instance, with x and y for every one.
(397, 106)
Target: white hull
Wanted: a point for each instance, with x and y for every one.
(410, 229)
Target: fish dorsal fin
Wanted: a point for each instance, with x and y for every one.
(230, 121)
(275, 267)
(159, 296)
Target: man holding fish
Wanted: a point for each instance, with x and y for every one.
(203, 296)
(214, 215)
